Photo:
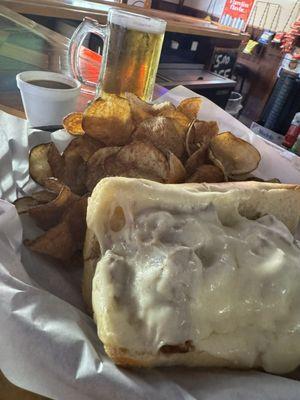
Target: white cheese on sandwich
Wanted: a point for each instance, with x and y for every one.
(183, 271)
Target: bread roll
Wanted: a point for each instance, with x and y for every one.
(194, 274)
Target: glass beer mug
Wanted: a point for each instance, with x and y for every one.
(131, 52)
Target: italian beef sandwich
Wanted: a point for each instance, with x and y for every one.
(195, 274)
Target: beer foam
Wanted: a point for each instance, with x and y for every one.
(140, 23)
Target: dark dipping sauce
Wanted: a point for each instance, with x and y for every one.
(50, 84)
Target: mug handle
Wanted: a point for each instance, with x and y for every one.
(87, 26)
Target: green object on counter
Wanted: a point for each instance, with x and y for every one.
(296, 147)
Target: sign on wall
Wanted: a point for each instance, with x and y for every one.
(223, 61)
(236, 13)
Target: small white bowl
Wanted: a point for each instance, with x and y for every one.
(45, 106)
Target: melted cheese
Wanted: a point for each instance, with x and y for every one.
(168, 277)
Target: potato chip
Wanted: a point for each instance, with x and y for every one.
(196, 160)
(57, 242)
(109, 120)
(163, 107)
(200, 134)
(53, 185)
(161, 132)
(55, 161)
(138, 160)
(75, 157)
(244, 177)
(233, 155)
(178, 116)
(114, 168)
(177, 171)
(43, 196)
(64, 240)
(190, 107)
(48, 215)
(24, 204)
(95, 166)
(75, 216)
(86, 146)
(189, 138)
(39, 168)
(140, 110)
(72, 123)
(75, 168)
(207, 173)
(145, 157)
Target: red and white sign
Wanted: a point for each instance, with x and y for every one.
(236, 13)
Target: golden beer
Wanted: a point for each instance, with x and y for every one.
(131, 54)
(131, 62)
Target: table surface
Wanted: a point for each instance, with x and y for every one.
(77, 10)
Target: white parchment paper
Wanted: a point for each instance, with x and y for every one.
(49, 345)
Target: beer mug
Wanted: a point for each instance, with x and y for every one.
(131, 52)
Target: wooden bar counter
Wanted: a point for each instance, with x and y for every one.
(77, 10)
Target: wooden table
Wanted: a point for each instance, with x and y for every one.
(8, 391)
(77, 10)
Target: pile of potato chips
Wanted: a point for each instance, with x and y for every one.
(125, 136)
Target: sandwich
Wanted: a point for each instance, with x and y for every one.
(195, 274)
